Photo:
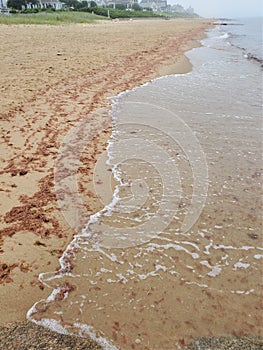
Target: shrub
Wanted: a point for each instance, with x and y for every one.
(115, 13)
(50, 9)
(30, 11)
(120, 7)
(13, 11)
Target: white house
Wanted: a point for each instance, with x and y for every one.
(127, 3)
(56, 4)
(101, 3)
(178, 8)
(190, 10)
(3, 4)
(157, 5)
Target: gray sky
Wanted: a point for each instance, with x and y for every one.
(224, 8)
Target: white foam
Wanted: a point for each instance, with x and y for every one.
(224, 36)
(88, 330)
(215, 270)
(222, 246)
(198, 284)
(246, 292)
(53, 325)
(105, 270)
(240, 265)
(218, 227)
(258, 256)
(160, 267)
(152, 246)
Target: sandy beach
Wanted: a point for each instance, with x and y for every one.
(52, 77)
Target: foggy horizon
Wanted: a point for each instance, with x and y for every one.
(223, 8)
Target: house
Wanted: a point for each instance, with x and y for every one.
(46, 4)
(101, 3)
(178, 8)
(56, 4)
(157, 5)
(190, 10)
(127, 3)
(3, 8)
(3, 4)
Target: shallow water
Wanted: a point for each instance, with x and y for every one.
(176, 251)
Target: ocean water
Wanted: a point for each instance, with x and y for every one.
(247, 35)
(176, 252)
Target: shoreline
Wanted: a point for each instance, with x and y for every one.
(33, 231)
(18, 332)
(32, 227)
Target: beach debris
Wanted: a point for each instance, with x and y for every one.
(38, 243)
(253, 235)
(64, 290)
(24, 267)
(5, 271)
(23, 172)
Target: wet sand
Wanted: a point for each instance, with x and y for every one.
(52, 77)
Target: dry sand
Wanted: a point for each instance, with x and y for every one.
(51, 77)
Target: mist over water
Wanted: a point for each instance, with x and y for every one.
(176, 251)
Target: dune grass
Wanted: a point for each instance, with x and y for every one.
(52, 18)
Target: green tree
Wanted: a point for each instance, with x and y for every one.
(84, 3)
(16, 4)
(93, 4)
(73, 3)
(136, 7)
(120, 6)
